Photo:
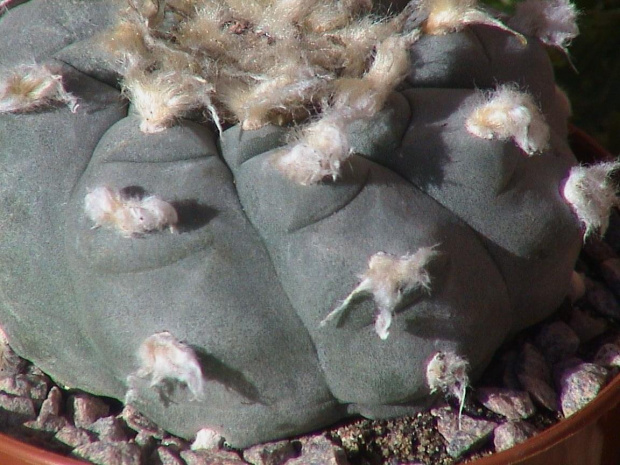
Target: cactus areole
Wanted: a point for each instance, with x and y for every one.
(258, 217)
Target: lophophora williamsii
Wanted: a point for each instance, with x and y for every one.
(365, 199)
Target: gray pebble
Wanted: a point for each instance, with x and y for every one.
(139, 423)
(602, 299)
(510, 403)
(74, 437)
(557, 341)
(510, 434)
(109, 429)
(586, 326)
(540, 391)
(318, 450)
(108, 453)
(211, 457)
(87, 409)
(17, 385)
(579, 385)
(15, 410)
(271, 453)
(608, 356)
(52, 404)
(166, 456)
(461, 434)
(531, 362)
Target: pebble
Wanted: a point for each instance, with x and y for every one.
(40, 385)
(579, 385)
(50, 425)
(602, 299)
(318, 450)
(49, 419)
(16, 410)
(531, 362)
(51, 405)
(510, 403)
(74, 437)
(211, 457)
(464, 434)
(610, 270)
(139, 423)
(174, 443)
(10, 363)
(585, 326)
(109, 429)
(271, 453)
(608, 356)
(557, 341)
(87, 409)
(17, 385)
(510, 434)
(540, 391)
(534, 374)
(108, 453)
(166, 456)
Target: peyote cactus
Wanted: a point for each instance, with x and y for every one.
(308, 210)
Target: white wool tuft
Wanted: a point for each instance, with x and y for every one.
(449, 373)
(162, 97)
(554, 22)
(29, 87)
(448, 16)
(507, 113)
(388, 279)
(130, 216)
(162, 358)
(592, 194)
(317, 154)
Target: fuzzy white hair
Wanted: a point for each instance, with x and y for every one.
(389, 279)
(447, 16)
(317, 154)
(449, 372)
(130, 216)
(162, 357)
(508, 113)
(553, 22)
(29, 87)
(592, 194)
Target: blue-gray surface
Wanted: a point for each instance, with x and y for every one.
(259, 261)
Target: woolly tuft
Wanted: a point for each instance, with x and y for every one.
(553, 22)
(317, 154)
(389, 279)
(130, 216)
(507, 113)
(163, 358)
(592, 193)
(30, 87)
(449, 372)
(448, 16)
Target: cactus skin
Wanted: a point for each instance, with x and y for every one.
(260, 261)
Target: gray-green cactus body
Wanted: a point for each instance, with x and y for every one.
(259, 261)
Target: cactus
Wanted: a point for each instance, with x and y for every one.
(352, 188)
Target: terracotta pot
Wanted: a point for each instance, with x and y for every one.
(590, 437)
